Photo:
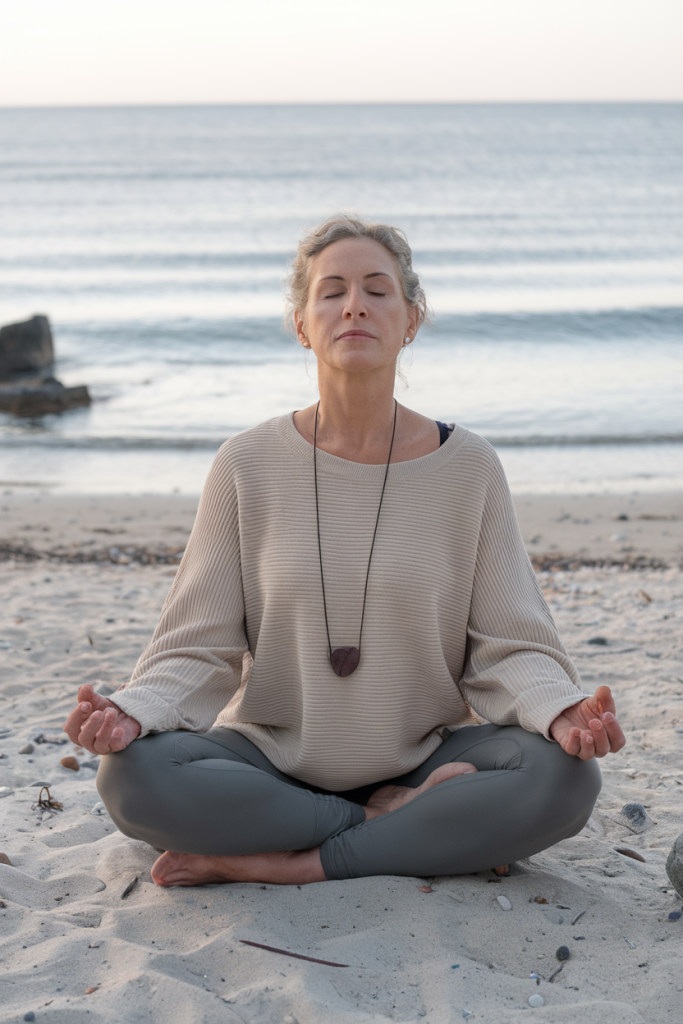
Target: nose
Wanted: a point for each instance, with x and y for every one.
(354, 307)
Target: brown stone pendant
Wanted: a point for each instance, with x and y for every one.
(344, 660)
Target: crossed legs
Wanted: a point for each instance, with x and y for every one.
(488, 795)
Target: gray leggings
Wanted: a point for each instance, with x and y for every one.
(216, 793)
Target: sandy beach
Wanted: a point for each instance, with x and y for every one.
(83, 579)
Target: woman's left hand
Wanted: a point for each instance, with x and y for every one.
(589, 729)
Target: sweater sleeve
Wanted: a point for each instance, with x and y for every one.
(193, 664)
(517, 671)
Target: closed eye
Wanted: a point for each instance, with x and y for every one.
(335, 296)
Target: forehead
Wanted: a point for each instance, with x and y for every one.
(353, 257)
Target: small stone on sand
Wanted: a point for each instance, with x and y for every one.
(504, 902)
(27, 748)
(4, 859)
(30, 1015)
(70, 762)
(562, 953)
(536, 1000)
(636, 815)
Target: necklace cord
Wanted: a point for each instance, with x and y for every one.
(372, 546)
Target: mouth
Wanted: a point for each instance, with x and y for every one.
(355, 333)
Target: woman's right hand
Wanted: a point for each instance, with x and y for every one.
(98, 724)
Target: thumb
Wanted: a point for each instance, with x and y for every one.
(603, 699)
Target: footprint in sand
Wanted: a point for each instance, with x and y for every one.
(46, 894)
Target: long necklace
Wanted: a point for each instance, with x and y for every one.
(344, 660)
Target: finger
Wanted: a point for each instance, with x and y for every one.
(86, 737)
(614, 731)
(74, 722)
(86, 693)
(600, 738)
(587, 750)
(118, 739)
(572, 743)
(103, 736)
(604, 700)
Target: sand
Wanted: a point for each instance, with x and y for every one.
(73, 950)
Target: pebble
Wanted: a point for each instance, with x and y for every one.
(27, 748)
(30, 1015)
(98, 808)
(674, 865)
(70, 762)
(601, 641)
(504, 902)
(59, 739)
(562, 953)
(675, 915)
(636, 815)
(94, 763)
(536, 999)
(4, 859)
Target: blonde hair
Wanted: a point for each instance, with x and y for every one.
(343, 225)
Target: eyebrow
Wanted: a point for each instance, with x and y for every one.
(338, 277)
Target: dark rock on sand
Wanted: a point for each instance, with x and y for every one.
(26, 347)
(562, 953)
(674, 865)
(600, 641)
(40, 396)
(635, 816)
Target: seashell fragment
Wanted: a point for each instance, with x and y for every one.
(624, 850)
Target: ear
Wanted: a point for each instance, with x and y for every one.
(413, 325)
(300, 332)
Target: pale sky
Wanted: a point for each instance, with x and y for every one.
(83, 52)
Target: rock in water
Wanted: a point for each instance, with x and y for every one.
(40, 396)
(26, 347)
(674, 865)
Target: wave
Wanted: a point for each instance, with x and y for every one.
(212, 443)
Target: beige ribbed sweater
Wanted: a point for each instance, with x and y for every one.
(454, 615)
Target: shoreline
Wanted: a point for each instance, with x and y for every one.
(560, 531)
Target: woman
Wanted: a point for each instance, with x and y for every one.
(355, 584)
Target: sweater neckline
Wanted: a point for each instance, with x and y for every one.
(328, 463)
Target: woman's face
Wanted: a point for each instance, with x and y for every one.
(356, 318)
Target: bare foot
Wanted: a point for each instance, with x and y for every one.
(390, 798)
(295, 867)
(291, 868)
(504, 869)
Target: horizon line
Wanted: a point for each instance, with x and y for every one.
(339, 103)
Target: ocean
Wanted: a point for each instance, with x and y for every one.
(549, 239)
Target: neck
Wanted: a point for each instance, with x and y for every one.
(357, 413)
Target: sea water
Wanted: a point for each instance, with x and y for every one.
(549, 239)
